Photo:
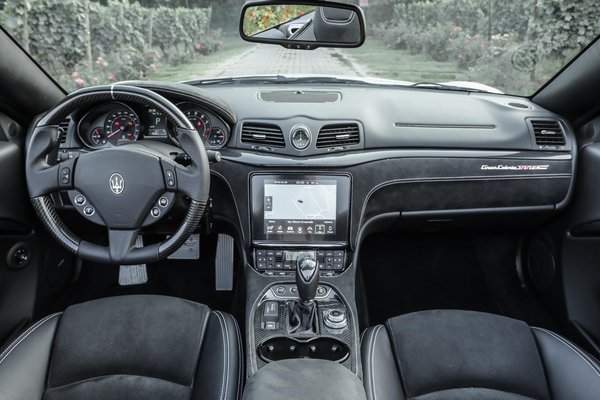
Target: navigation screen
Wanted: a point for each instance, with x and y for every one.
(305, 207)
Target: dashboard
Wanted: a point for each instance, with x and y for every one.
(319, 167)
(113, 124)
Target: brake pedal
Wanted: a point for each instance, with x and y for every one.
(224, 263)
(130, 275)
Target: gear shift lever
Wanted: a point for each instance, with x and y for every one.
(303, 313)
(307, 279)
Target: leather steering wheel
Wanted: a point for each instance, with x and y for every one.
(123, 188)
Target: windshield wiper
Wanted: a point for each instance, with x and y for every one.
(441, 86)
(277, 79)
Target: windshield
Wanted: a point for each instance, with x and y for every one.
(492, 45)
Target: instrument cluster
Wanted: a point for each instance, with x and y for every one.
(114, 124)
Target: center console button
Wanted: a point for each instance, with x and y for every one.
(280, 290)
(321, 291)
(261, 253)
(338, 253)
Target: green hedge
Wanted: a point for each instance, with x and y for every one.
(83, 42)
(470, 32)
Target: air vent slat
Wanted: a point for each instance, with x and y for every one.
(548, 133)
(338, 135)
(63, 128)
(262, 134)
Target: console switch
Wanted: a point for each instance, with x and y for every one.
(270, 315)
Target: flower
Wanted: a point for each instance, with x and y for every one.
(287, 10)
(251, 14)
(299, 12)
(265, 20)
(111, 77)
(74, 74)
(79, 82)
(197, 46)
(153, 67)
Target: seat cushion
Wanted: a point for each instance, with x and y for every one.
(448, 354)
(133, 347)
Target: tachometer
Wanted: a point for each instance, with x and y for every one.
(122, 126)
(200, 121)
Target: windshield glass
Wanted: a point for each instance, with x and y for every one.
(510, 46)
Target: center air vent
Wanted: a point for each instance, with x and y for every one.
(338, 135)
(63, 127)
(268, 135)
(548, 133)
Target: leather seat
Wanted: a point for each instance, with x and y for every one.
(129, 347)
(467, 355)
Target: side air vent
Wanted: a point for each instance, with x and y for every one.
(548, 133)
(63, 127)
(263, 134)
(338, 135)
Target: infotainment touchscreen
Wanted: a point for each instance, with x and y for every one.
(294, 207)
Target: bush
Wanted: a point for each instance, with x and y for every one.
(396, 37)
(436, 42)
(466, 49)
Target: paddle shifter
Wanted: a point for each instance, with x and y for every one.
(302, 313)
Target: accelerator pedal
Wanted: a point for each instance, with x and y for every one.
(130, 275)
(224, 263)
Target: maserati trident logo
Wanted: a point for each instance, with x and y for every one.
(116, 183)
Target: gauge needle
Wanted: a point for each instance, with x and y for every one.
(114, 133)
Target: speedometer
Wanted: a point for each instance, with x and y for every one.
(200, 121)
(122, 126)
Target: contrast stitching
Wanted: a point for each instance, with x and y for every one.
(225, 353)
(371, 357)
(241, 360)
(24, 336)
(376, 334)
(571, 347)
(451, 179)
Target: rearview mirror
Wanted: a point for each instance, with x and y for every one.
(303, 25)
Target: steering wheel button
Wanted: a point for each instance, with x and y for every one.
(163, 202)
(155, 212)
(80, 200)
(89, 211)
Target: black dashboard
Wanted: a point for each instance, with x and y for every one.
(401, 158)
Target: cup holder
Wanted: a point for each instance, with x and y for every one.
(322, 348)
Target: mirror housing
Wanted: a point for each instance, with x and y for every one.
(303, 25)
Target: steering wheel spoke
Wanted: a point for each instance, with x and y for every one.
(42, 177)
(121, 243)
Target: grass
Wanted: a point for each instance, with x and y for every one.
(198, 68)
(383, 62)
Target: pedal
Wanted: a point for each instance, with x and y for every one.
(224, 263)
(130, 275)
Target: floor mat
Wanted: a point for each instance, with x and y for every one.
(404, 273)
(188, 279)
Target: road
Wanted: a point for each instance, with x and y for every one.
(272, 59)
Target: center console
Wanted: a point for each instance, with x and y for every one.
(300, 234)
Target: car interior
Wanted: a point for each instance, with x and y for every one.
(288, 237)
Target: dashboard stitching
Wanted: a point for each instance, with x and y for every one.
(451, 179)
(234, 201)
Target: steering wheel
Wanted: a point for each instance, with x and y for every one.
(122, 188)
